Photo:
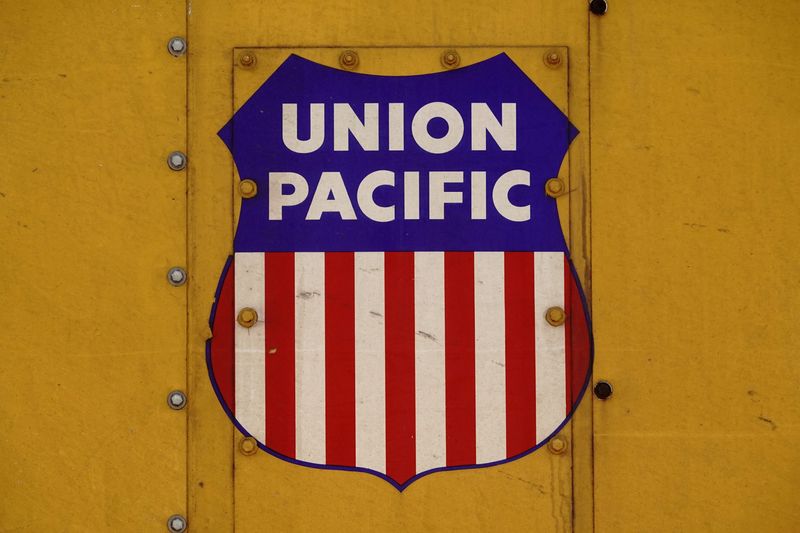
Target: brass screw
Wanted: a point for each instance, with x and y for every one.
(348, 59)
(555, 316)
(450, 59)
(247, 317)
(248, 188)
(248, 446)
(554, 187)
(557, 445)
(552, 58)
(247, 59)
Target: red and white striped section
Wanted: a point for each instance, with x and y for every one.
(403, 362)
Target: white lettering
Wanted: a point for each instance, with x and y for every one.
(478, 200)
(512, 178)
(455, 127)
(331, 197)
(411, 195)
(317, 129)
(278, 200)
(346, 122)
(504, 134)
(438, 197)
(396, 128)
(365, 195)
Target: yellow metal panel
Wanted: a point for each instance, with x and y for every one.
(694, 106)
(531, 493)
(695, 226)
(91, 219)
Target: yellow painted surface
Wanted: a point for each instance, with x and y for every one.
(695, 109)
(694, 217)
(91, 218)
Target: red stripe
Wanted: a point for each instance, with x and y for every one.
(577, 337)
(459, 334)
(279, 320)
(400, 419)
(222, 342)
(520, 353)
(340, 382)
(568, 308)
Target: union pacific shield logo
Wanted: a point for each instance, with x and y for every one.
(401, 299)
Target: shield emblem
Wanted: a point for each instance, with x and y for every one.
(400, 300)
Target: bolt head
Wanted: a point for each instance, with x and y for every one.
(248, 446)
(557, 445)
(451, 59)
(348, 59)
(603, 390)
(247, 59)
(554, 187)
(176, 400)
(552, 59)
(176, 524)
(248, 188)
(598, 7)
(177, 46)
(247, 317)
(177, 160)
(555, 316)
(176, 276)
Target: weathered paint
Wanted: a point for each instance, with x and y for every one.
(91, 219)
(694, 220)
(695, 227)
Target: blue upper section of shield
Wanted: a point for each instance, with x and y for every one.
(254, 136)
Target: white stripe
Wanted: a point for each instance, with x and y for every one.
(551, 395)
(370, 361)
(429, 374)
(249, 364)
(490, 357)
(309, 344)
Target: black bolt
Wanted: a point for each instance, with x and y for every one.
(603, 390)
(598, 7)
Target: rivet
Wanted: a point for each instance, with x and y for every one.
(176, 46)
(177, 160)
(557, 445)
(248, 446)
(248, 188)
(247, 317)
(552, 58)
(348, 59)
(450, 59)
(247, 59)
(598, 7)
(603, 390)
(554, 187)
(176, 400)
(176, 524)
(176, 276)
(555, 316)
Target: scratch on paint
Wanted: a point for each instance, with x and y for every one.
(426, 335)
(307, 295)
(694, 225)
(536, 486)
(768, 421)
